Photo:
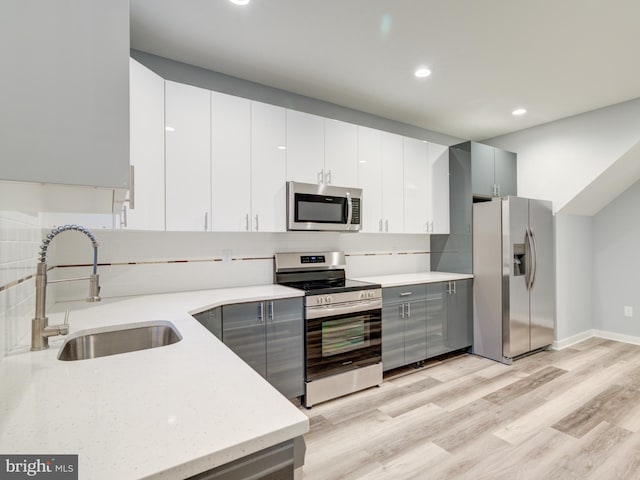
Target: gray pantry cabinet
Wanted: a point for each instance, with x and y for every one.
(423, 321)
(267, 335)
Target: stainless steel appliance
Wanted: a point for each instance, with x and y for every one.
(323, 207)
(343, 323)
(513, 286)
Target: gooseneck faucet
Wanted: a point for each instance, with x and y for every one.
(40, 328)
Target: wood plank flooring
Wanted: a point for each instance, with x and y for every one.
(573, 413)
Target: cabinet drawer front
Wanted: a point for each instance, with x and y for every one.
(404, 294)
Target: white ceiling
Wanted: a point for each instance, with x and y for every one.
(556, 58)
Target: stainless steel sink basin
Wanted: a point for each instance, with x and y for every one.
(131, 337)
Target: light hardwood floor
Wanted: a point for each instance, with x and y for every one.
(568, 414)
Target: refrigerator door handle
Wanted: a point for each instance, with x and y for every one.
(528, 263)
(534, 260)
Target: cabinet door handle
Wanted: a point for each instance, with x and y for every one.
(386, 226)
(257, 224)
(449, 288)
(402, 310)
(246, 222)
(261, 312)
(123, 222)
(406, 294)
(321, 177)
(132, 187)
(206, 221)
(328, 178)
(408, 309)
(380, 226)
(454, 287)
(431, 226)
(270, 312)
(497, 189)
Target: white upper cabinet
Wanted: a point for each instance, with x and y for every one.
(305, 147)
(392, 184)
(188, 157)
(416, 179)
(146, 106)
(230, 163)
(438, 188)
(340, 153)
(370, 178)
(64, 118)
(268, 168)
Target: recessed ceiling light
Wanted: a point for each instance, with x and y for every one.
(519, 111)
(240, 2)
(422, 72)
(281, 147)
(169, 129)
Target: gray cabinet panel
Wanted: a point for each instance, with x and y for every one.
(482, 167)
(211, 320)
(285, 349)
(415, 331)
(243, 331)
(505, 169)
(460, 315)
(437, 341)
(392, 336)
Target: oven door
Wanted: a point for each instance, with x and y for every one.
(342, 342)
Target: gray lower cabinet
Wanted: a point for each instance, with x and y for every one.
(404, 335)
(423, 321)
(449, 316)
(212, 320)
(268, 335)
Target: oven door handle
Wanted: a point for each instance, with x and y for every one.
(343, 308)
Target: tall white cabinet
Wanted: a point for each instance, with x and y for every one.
(230, 163)
(305, 147)
(187, 157)
(340, 153)
(416, 183)
(370, 178)
(146, 107)
(392, 220)
(268, 168)
(438, 188)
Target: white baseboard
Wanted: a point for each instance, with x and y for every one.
(580, 337)
(573, 339)
(618, 337)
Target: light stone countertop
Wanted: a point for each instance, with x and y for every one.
(401, 279)
(167, 412)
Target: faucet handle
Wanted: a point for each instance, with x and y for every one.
(94, 288)
(66, 317)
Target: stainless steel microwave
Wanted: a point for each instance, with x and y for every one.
(323, 207)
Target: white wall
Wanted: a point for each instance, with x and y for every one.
(616, 238)
(559, 159)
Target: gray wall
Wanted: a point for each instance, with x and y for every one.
(574, 265)
(200, 77)
(616, 238)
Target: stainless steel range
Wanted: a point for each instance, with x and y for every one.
(343, 319)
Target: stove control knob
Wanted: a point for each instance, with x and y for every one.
(327, 299)
(320, 300)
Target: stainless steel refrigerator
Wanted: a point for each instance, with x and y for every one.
(513, 286)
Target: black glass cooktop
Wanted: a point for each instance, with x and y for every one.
(322, 287)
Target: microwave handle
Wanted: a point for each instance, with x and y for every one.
(349, 210)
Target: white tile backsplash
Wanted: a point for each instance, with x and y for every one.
(141, 262)
(20, 235)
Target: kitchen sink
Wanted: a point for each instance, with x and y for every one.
(131, 337)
